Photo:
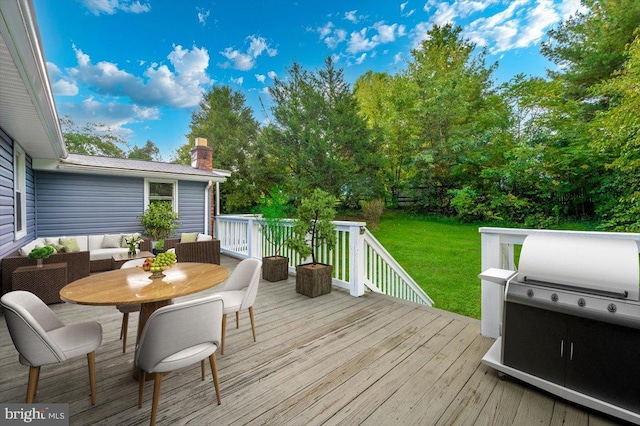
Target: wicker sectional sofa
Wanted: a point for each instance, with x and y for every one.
(199, 251)
(91, 257)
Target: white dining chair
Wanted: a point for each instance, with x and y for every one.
(239, 293)
(176, 336)
(127, 309)
(41, 338)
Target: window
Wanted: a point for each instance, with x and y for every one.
(19, 192)
(161, 191)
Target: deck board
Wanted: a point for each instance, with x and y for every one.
(334, 360)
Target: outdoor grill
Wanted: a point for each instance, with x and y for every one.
(571, 321)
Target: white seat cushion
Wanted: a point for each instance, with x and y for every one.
(78, 339)
(106, 253)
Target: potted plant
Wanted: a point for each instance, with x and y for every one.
(159, 247)
(159, 220)
(40, 253)
(312, 228)
(274, 210)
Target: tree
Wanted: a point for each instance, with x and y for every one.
(387, 103)
(230, 129)
(89, 140)
(617, 133)
(458, 116)
(149, 152)
(318, 139)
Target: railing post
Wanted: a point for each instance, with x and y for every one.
(249, 237)
(356, 261)
(492, 294)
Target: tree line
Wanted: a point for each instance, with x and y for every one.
(531, 151)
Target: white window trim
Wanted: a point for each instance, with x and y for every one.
(175, 191)
(20, 181)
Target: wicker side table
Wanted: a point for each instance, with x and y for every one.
(45, 282)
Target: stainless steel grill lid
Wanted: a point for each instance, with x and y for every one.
(600, 264)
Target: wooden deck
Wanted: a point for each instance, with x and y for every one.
(335, 360)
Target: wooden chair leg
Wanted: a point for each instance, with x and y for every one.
(35, 391)
(214, 370)
(141, 380)
(253, 324)
(224, 330)
(123, 331)
(32, 385)
(202, 368)
(237, 319)
(91, 360)
(156, 397)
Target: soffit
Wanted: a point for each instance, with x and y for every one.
(27, 111)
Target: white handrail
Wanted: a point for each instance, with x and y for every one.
(358, 259)
(497, 252)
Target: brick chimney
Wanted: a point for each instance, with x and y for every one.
(202, 155)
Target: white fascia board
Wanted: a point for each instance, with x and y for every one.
(55, 166)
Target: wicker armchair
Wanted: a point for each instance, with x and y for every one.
(200, 251)
(77, 266)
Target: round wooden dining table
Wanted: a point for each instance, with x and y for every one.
(133, 286)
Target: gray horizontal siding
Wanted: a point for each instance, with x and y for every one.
(7, 211)
(76, 204)
(191, 206)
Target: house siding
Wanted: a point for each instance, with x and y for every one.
(79, 204)
(7, 211)
(191, 206)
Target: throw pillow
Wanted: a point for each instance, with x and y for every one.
(188, 237)
(111, 241)
(204, 237)
(70, 244)
(60, 248)
(54, 241)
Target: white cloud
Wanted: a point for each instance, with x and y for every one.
(261, 78)
(272, 75)
(522, 23)
(246, 61)
(386, 33)
(359, 42)
(351, 16)
(397, 58)
(265, 91)
(338, 37)
(445, 13)
(325, 30)
(238, 80)
(517, 26)
(111, 115)
(335, 58)
(361, 58)
(180, 88)
(203, 15)
(568, 8)
(110, 7)
(61, 85)
(403, 5)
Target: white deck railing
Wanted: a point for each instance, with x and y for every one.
(359, 260)
(497, 252)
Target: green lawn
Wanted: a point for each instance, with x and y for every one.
(442, 255)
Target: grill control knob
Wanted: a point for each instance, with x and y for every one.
(612, 307)
(554, 297)
(582, 303)
(530, 293)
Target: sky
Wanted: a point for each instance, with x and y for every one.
(140, 67)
